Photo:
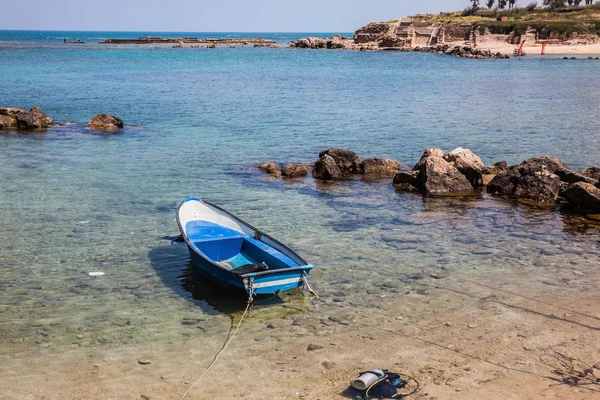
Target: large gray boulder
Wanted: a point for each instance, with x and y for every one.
(431, 152)
(33, 119)
(106, 122)
(584, 195)
(326, 168)
(569, 176)
(468, 163)
(534, 179)
(438, 176)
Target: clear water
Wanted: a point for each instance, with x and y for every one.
(198, 123)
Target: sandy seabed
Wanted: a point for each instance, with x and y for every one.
(469, 335)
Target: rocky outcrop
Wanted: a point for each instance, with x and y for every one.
(467, 163)
(269, 168)
(347, 161)
(334, 42)
(379, 167)
(569, 176)
(374, 32)
(326, 168)
(294, 171)
(106, 122)
(593, 172)
(434, 175)
(438, 176)
(584, 195)
(534, 179)
(336, 163)
(11, 118)
(431, 152)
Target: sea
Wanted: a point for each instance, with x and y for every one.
(198, 123)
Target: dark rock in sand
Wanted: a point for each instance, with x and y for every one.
(468, 163)
(326, 168)
(294, 171)
(593, 172)
(313, 347)
(379, 167)
(32, 119)
(106, 122)
(534, 179)
(407, 180)
(584, 195)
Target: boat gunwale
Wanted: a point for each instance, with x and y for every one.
(305, 267)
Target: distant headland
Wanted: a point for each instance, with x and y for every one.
(494, 32)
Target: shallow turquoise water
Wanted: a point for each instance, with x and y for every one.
(200, 120)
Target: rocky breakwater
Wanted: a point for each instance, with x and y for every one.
(460, 51)
(336, 164)
(436, 173)
(17, 118)
(334, 42)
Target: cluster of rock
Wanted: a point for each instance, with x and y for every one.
(541, 180)
(336, 164)
(340, 164)
(460, 51)
(17, 118)
(334, 42)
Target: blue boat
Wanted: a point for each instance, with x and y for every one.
(232, 253)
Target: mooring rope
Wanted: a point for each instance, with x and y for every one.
(250, 300)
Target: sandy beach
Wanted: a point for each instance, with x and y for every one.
(554, 50)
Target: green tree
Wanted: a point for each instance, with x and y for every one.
(502, 4)
(490, 3)
(511, 3)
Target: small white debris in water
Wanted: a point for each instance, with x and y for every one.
(83, 222)
(97, 273)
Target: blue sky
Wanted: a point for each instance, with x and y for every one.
(211, 15)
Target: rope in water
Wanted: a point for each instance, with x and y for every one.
(250, 299)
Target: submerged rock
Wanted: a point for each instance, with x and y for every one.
(468, 163)
(270, 168)
(584, 195)
(106, 122)
(294, 171)
(379, 167)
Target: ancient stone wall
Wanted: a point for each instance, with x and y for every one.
(455, 32)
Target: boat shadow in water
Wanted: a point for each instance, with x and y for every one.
(173, 266)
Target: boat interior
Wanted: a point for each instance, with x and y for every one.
(234, 250)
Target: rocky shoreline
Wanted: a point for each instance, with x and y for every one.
(209, 42)
(543, 181)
